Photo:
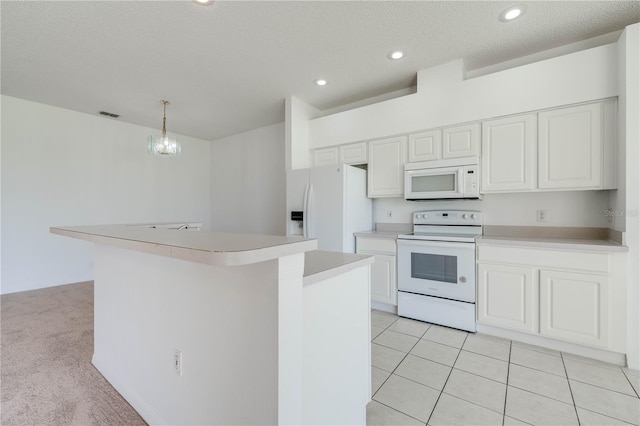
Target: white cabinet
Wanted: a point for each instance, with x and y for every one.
(386, 167)
(354, 153)
(571, 148)
(576, 147)
(384, 288)
(325, 156)
(461, 141)
(507, 296)
(508, 159)
(569, 295)
(425, 146)
(574, 307)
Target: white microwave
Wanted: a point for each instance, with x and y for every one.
(442, 179)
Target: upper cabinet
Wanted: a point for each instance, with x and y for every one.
(564, 149)
(509, 154)
(451, 142)
(325, 156)
(386, 167)
(425, 146)
(572, 143)
(354, 153)
(461, 141)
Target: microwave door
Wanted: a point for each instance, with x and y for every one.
(436, 183)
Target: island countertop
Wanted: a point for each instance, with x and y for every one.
(213, 248)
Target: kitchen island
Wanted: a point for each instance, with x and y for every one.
(215, 328)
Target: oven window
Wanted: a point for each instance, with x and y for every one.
(434, 183)
(434, 267)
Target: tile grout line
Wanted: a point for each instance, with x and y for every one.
(445, 382)
(506, 389)
(626, 376)
(396, 367)
(575, 408)
(391, 374)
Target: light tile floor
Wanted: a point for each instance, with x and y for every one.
(428, 374)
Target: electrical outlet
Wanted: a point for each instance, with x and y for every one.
(389, 214)
(177, 361)
(541, 215)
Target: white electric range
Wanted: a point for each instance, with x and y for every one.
(437, 268)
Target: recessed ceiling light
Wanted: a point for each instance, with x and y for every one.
(204, 2)
(511, 13)
(320, 82)
(396, 54)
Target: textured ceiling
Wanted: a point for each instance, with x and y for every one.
(227, 68)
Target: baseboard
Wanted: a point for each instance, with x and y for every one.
(557, 345)
(145, 411)
(379, 306)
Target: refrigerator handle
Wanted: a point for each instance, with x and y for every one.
(307, 214)
(304, 211)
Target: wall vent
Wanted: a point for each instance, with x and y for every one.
(109, 114)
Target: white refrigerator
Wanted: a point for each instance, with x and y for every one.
(334, 204)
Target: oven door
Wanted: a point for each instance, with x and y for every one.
(437, 268)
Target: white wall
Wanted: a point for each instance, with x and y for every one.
(630, 205)
(579, 208)
(444, 97)
(61, 167)
(248, 182)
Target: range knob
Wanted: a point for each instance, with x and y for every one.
(473, 216)
(464, 215)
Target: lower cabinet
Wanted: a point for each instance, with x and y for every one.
(384, 288)
(507, 296)
(574, 307)
(383, 280)
(577, 297)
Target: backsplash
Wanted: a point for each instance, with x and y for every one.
(571, 209)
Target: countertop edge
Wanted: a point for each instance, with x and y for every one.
(384, 235)
(573, 244)
(336, 267)
(231, 258)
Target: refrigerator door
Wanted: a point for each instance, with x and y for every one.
(325, 218)
(358, 208)
(297, 183)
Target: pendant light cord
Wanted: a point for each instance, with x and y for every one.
(164, 118)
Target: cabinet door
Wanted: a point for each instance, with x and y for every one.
(574, 307)
(570, 148)
(507, 297)
(386, 167)
(509, 160)
(355, 153)
(383, 280)
(461, 141)
(325, 156)
(425, 146)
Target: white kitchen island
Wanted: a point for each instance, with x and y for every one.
(214, 328)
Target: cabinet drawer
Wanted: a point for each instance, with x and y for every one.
(543, 258)
(376, 245)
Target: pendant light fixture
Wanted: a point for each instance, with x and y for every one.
(163, 145)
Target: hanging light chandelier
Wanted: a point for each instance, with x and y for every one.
(163, 145)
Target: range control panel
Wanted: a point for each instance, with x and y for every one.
(448, 217)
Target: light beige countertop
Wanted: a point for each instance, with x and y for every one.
(213, 248)
(387, 235)
(320, 265)
(554, 243)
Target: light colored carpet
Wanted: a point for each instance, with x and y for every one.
(47, 376)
